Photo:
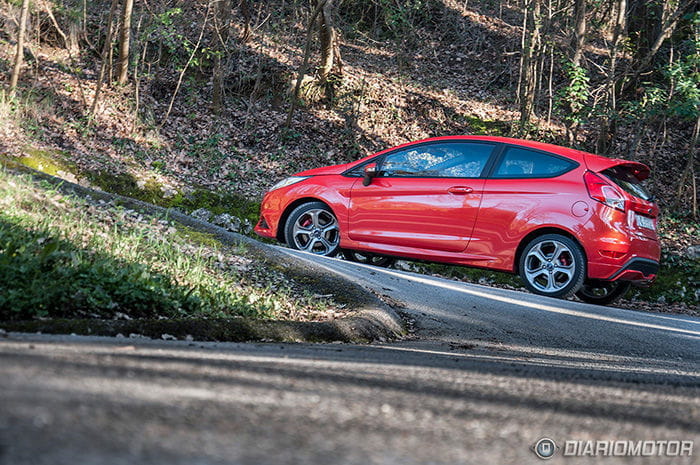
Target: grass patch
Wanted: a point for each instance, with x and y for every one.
(148, 190)
(66, 257)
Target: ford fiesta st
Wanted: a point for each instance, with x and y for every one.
(568, 222)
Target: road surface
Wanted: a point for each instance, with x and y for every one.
(487, 373)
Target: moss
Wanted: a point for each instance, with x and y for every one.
(216, 203)
(199, 237)
(484, 127)
(53, 162)
(47, 161)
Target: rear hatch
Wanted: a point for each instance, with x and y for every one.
(629, 178)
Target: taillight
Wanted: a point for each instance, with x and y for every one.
(599, 189)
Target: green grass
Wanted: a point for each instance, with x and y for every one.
(62, 256)
(55, 163)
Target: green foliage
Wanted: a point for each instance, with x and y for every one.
(571, 102)
(388, 18)
(678, 95)
(678, 281)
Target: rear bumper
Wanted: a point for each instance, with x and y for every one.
(637, 269)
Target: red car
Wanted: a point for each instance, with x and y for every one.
(568, 222)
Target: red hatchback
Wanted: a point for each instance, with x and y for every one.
(566, 221)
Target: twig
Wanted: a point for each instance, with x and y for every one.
(305, 62)
(187, 65)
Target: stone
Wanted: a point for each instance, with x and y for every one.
(693, 252)
(201, 214)
(228, 222)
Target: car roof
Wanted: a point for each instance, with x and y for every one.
(592, 161)
(557, 149)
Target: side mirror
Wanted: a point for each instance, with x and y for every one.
(370, 172)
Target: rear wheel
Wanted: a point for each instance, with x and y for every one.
(552, 265)
(369, 258)
(603, 292)
(312, 227)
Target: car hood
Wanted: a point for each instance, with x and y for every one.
(335, 169)
(597, 164)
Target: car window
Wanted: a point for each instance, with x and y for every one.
(524, 163)
(447, 160)
(624, 177)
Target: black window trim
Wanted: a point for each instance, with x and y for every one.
(504, 149)
(379, 160)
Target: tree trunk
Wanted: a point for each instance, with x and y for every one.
(689, 171)
(652, 35)
(19, 53)
(330, 50)
(579, 39)
(606, 128)
(304, 63)
(105, 57)
(221, 23)
(124, 39)
(531, 47)
(245, 12)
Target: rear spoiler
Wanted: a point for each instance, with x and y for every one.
(598, 164)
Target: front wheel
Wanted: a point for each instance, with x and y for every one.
(553, 265)
(369, 258)
(603, 292)
(312, 227)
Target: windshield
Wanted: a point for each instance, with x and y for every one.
(625, 178)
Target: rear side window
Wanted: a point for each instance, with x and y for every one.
(628, 182)
(523, 163)
(443, 160)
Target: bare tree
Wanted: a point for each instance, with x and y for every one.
(619, 28)
(579, 38)
(331, 62)
(124, 39)
(528, 63)
(19, 53)
(305, 62)
(221, 25)
(105, 57)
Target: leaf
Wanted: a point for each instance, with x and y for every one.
(48, 249)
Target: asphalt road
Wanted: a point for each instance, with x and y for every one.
(487, 373)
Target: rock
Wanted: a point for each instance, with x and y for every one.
(189, 338)
(201, 214)
(693, 252)
(168, 192)
(168, 337)
(228, 222)
(3, 333)
(247, 226)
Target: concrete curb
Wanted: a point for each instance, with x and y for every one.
(371, 319)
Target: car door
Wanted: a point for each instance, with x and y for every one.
(425, 196)
(528, 188)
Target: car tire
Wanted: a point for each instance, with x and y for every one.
(369, 258)
(552, 265)
(603, 292)
(313, 227)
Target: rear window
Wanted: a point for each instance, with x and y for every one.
(523, 163)
(628, 182)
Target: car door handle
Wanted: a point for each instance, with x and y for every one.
(460, 190)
